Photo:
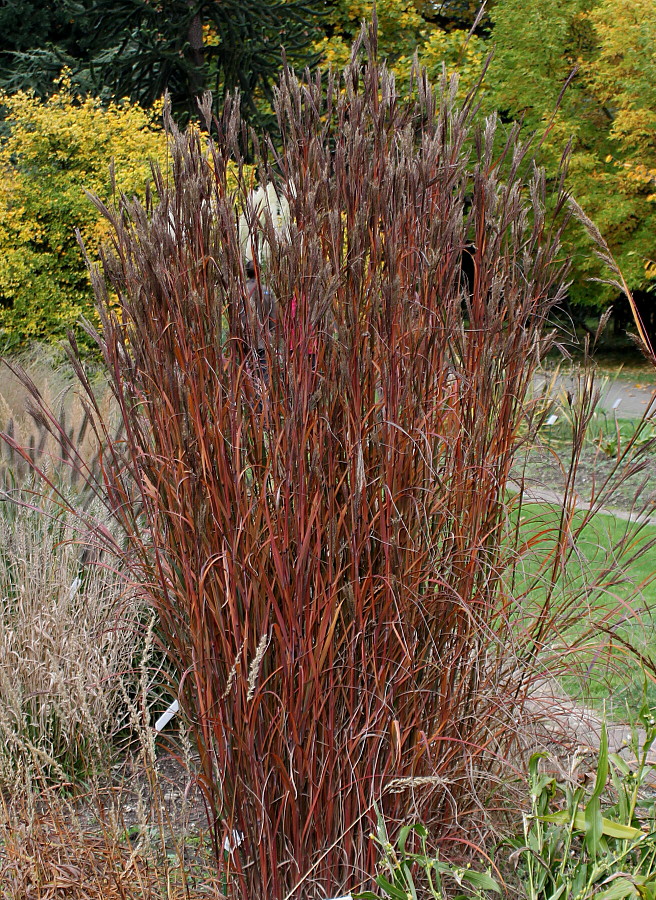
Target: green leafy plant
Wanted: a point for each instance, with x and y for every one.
(404, 873)
(599, 843)
(619, 434)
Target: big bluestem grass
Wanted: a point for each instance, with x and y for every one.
(315, 503)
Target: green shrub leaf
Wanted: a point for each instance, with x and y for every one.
(608, 827)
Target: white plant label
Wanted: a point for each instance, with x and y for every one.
(166, 717)
(237, 841)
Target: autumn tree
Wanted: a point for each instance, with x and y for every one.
(437, 32)
(457, 14)
(608, 111)
(141, 48)
(622, 79)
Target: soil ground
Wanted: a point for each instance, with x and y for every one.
(598, 471)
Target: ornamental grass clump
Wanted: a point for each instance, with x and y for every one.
(69, 638)
(311, 473)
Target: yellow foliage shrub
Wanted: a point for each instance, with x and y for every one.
(52, 153)
(402, 33)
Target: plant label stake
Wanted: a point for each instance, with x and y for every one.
(166, 717)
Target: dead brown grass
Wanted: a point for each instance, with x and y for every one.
(69, 641)
(50, 855)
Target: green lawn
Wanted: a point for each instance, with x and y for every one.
(612, 565)
(595, 544)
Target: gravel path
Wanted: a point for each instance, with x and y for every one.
(543, 495)
(627, 398)
(579, 725)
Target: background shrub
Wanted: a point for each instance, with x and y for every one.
(51, 152)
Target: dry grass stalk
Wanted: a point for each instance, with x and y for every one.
(53, 380)
(52, 853)
(128, 830)
(67, 632)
